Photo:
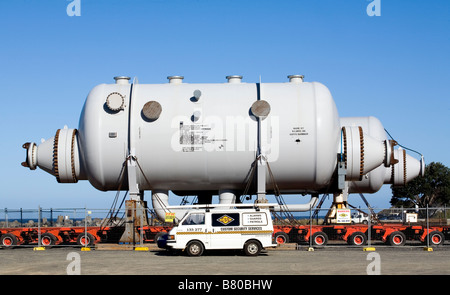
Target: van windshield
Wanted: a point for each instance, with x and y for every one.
(194, 219)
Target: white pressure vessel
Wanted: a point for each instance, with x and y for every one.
(191, 138)
(210, 142)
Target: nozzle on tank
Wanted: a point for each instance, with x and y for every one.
(39, 155)
(30, 160)
(58, 156)
(405, 169)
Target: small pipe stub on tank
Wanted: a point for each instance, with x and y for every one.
(234, 79)
(196, 95)
(121, 79)
(175, 79)
(196, 116)
(296, 78)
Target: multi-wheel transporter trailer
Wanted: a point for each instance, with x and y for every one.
(353, 234)
(76, 235)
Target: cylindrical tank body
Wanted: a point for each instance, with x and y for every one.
(205, 139)
(193, 137)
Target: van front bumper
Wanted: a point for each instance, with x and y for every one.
(164, 242)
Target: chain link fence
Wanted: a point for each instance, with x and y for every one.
(356, 227)
(76, 227)
(366, 227)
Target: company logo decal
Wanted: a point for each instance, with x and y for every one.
(225, 219)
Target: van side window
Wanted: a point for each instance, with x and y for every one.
(194, 219)
(258, 218)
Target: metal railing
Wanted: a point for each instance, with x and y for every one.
(65, 226)
(389, 227)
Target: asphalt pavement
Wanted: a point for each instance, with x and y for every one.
(285, 261)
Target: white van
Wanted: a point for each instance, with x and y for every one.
(249, 229)
(359, 217)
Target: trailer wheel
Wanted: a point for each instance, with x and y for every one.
(397, 238)
(85, 239)
(252, 248)
(319, 238)
(48, 239)
(357, 239)
(281, 237)
(9, 240)
(436, 238)
(195, 248)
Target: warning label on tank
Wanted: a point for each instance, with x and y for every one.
(298, 131)
(193, 137)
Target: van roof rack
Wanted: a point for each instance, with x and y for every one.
(212, 206)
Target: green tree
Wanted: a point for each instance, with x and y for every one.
(433, 189)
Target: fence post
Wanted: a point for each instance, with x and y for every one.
(85, 247)
(369, 235)
(368, 229)
(445, 214)
(141, 213)
(310, 230)
(142, 228)
(39, 226)
(134, 226)
(141, 243)
(428, 229)
(85, 227)
(39, 247)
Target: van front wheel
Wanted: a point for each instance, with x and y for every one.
(194, 248)
(252, 248)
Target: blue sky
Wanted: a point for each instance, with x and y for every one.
(395, 67)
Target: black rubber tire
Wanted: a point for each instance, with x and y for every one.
(252, 248)
(357, 239)
(319, 239)
(9, 240)
(281, 237)
(436, 238)
(48, 239)
(90, 240)
(397, 239)
(194, 248)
